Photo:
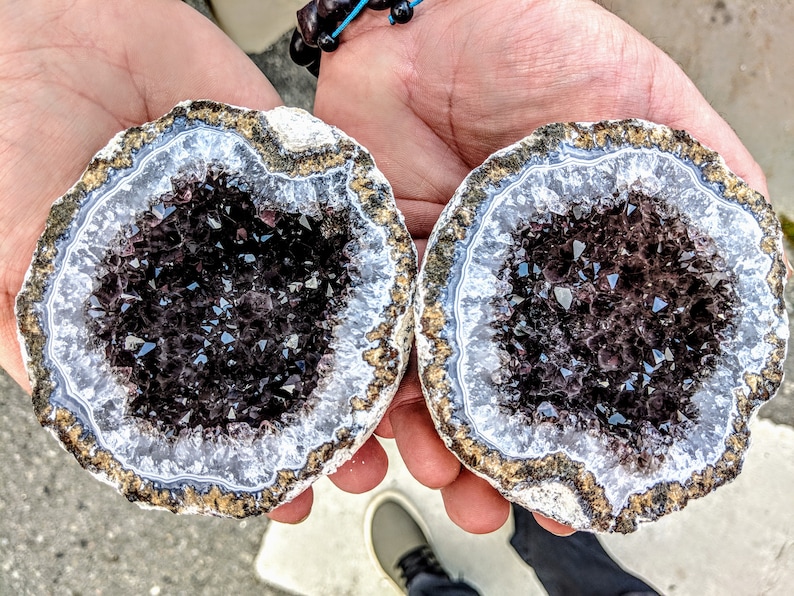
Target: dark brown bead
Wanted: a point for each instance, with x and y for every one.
(334, 10)
(402, 12)
(327, 42)
(301, 53)
(309, 23)
(380, 4)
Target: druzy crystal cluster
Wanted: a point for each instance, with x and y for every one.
(219, 310)
(216, 312)
(616, 314)
(598, 315)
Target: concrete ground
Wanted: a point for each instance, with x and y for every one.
(65, 533)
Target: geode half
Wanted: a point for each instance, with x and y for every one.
(599, 313)
(219, 311)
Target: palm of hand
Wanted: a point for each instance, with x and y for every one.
(432, 100)
(73, 74)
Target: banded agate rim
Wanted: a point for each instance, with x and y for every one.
(520, 320)
(284, 166)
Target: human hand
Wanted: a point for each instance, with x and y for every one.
(73, 74)
(432, 99)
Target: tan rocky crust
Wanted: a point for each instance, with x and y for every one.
(565, 465)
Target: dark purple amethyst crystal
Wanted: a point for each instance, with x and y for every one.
(615, 316)
(215, 311)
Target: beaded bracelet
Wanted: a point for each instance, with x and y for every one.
(321, 22)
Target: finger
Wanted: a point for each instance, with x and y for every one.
(420, 216)
(410, 390)
(364, 471)
(421, 245)
(553, 526)
(424, 453)
(297, 510)
(384, 429)
(475, 505)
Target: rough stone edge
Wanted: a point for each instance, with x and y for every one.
(508, 474)
(389, 358)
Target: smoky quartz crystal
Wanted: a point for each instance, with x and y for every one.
(219, 311)
(598, 315)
